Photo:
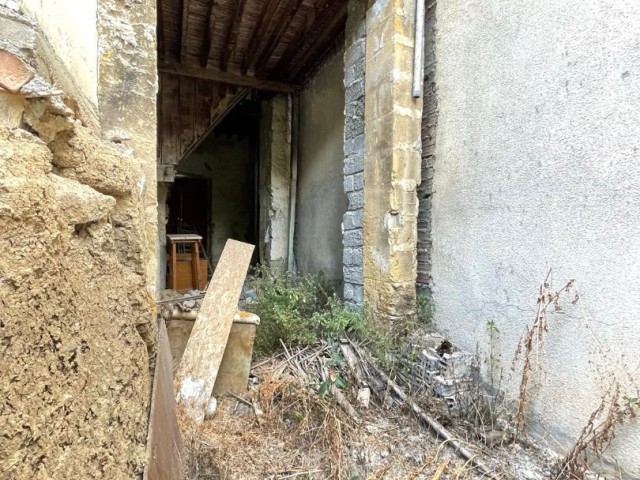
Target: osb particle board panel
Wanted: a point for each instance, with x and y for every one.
(201, 360)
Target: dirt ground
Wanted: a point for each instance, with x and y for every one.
(284, 427)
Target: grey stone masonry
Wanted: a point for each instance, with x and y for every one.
(352, 224)
(429, 122)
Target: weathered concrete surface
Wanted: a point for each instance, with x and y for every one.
(275, 176)
(74, 388)
(321, 199)
(198, 369)
(392, 166)
(538, 166)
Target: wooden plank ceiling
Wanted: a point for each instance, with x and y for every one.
(210, 52)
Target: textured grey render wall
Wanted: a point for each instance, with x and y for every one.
(538, 166)
(321, 201)
(353, 220)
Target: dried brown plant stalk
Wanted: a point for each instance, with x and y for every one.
(533, 338)
(594, 437)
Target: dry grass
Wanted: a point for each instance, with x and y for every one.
(291, 431)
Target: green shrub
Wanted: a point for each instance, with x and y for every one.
(425, 309)
(299, 310)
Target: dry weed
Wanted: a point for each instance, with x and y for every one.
(533, 339)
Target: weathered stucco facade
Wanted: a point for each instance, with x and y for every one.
(77, 322)
(537, 167)
(321, 202)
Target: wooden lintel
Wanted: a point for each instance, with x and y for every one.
(226, 78)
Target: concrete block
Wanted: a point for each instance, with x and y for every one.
(353, 274)
(356, 200)
(354, 146)
(353, 238)
(353, 127)
(358, 295)
(354, 219)
(354, 91)
(348, 291)
(354, 182)
(354, 52)
(352, 256)
(353, 163)
(355, 111)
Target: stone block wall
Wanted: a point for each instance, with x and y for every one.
(353, 220)
(392, 167)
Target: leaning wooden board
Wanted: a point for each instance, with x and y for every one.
(201, 360)
(166, 451)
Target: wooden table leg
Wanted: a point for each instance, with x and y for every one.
(195, 265)
(174, 277)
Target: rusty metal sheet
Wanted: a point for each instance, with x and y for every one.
(198, 369)
(165, 442)
(233, 375)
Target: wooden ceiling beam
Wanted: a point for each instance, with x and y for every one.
(207, 47)
(183, 34)
(268, 10)
(226, 78)
(291, 10)
(304, 34)
(232, 35)
(329, 30)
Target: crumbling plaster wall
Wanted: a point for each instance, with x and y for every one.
(321, 201)
(70, 27)
(77, 328)
(538, 167)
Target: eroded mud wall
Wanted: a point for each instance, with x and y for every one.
(77, 335)
(75, 368)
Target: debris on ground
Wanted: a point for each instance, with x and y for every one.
(306, 416)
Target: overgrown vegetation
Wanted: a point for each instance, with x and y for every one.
(297, 310)
(425, 309)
